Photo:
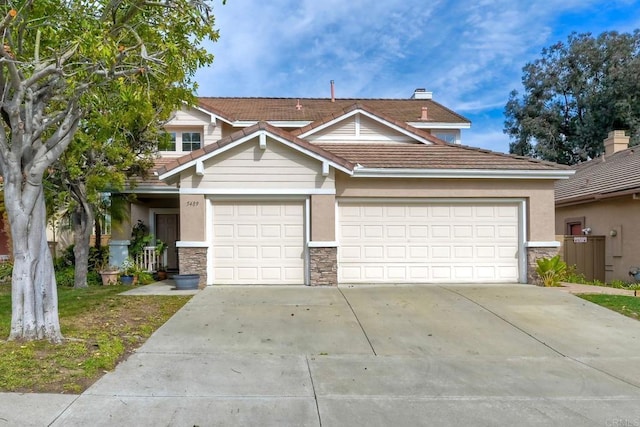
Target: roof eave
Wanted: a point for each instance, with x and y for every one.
(365, 172)
(439, 125)
(597, 197)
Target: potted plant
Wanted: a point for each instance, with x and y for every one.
(108, 273)
(161, 248)
(128, 270)
(161, 273)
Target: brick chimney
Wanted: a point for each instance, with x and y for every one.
(616, 141)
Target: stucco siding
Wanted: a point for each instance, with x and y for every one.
(323, 218)
(622, 251)
(538, 195)
(248, 166)
(193, 217)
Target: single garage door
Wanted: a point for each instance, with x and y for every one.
(387, 242)
(258, 242)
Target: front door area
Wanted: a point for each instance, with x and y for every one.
(167, 230)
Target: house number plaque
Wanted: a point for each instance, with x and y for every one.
(581, 239)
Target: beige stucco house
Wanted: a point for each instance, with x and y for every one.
(340, 191)
(603, 198)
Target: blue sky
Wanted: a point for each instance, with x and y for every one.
(469, 54)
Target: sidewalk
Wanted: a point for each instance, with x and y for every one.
(575, 288)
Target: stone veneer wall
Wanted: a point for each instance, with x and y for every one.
(532, 255)
(323, 266)
(194, 261)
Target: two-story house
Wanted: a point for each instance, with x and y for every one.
(327, 191)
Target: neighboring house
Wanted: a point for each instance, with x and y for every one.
(327, 191)
(603, 198)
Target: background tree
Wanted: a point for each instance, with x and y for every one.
(574, 95)
(54, 54)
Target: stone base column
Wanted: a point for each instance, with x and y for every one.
(193, 261)
(533, 254)
(323, 266)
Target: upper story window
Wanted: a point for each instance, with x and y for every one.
(184, 141)
(450, 137)
(190, 141)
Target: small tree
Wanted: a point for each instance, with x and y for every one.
(53, 55)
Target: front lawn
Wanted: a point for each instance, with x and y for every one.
(623, 304)
(100, 328)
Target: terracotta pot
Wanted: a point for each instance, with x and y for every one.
(109, 277)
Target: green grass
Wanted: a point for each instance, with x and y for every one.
(623, 304)
(100, 328)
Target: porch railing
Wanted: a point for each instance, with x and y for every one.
(149, 260)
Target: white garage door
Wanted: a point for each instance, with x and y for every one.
(427, 242)
(258, 242)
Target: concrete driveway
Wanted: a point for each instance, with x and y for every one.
(376, 356)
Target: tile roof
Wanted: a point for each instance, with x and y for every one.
(151, 180)
(436, 156)
(284, 109)
(609, 176)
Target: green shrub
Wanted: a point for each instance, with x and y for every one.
(6, 270)
(551, 270)
(65, 276)
(572, 276)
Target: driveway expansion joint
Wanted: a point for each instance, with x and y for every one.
(373, 350)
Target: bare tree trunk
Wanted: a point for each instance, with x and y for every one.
(33, 287)
(98, 232)
(82, 224)
(81, 237)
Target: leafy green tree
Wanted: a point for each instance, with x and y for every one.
(575, 94)
(55, 55)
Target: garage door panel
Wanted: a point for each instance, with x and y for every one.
(247, 231)
(441, 252)
(507, 232)
(421, 242)
(463, 252)
(396, 231)
(259, 242)
(247, 252)
(462, 231)
(223, 231)
(397, 252)
(462, 212)
(374, 252)
(270, 230)
(373, 231)
(486, 231)
(293, 232)
(485, 252)
(441, 231)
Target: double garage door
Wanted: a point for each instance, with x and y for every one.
(387, 242)
(263, 242)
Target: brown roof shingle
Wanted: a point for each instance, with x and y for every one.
(601, 178)
(284, 109)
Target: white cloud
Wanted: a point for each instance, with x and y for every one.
(469, 54)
